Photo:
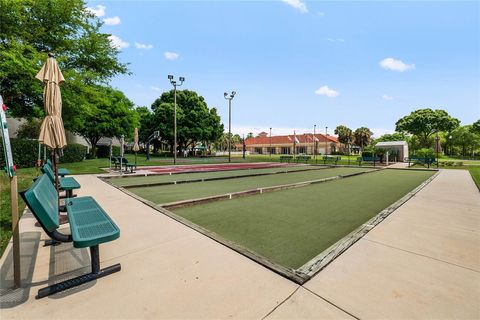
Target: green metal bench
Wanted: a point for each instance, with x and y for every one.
(67, 184)
(89, 225)
(286, 158)
(303, 159)
(422, 161)
(62, 172)
(119, 161)
(361, 160)
(331, 159)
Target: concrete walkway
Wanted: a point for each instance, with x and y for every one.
(421, 262)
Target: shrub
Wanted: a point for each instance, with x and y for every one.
(367, 154)
(104, 151)
(73, 153)
(425, 153)
(25, 153)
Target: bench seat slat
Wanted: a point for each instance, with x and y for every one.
(89, 223)
(69, 183)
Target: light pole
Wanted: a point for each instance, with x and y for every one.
(315, 142)
(175, 85)
(229, 98)
(437, 139)
(270, 142)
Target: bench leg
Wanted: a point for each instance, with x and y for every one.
(51, 242)
(96, 273)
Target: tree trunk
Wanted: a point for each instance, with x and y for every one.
(93, 141)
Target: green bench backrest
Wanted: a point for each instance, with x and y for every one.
(49, 172)
(42, 198)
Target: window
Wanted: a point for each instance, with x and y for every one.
(285, 150)
(258, 150)
(302, 149)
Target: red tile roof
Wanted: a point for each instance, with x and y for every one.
(302, 138)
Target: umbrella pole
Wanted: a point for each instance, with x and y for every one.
(61, 219)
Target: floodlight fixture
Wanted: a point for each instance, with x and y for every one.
(175, 85)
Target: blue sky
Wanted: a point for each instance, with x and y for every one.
(299, 63)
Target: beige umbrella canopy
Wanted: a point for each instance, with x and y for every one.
(52, 133)
(136, 147)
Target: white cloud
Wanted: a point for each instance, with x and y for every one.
(112, 21)
(155, 88)
(297, 4)
(171, 55)
(387, 97)
(118, 43)
(143, 46)
(99, 10)
(336, 39)
(326, 91)
(395, 65)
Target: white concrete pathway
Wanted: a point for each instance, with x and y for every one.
(421, 262)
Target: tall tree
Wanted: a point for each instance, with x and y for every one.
(396, 136)
(476, 127)
(145, 117)
(107, 113)
(195, 121)
(425, 122)
(466, 139)
(29, 30)
(345, 135)
(362, 137)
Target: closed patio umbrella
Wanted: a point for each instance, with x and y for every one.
(136, 147)
(52, 133)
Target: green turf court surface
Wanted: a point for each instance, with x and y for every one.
(195, 190)
(291, 227)
(136, 180)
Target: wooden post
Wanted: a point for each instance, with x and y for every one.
(10, 169)
(16, 234)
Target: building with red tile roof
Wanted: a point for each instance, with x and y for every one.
(303, 143)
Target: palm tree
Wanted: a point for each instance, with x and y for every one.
(345, 136)
(362, 137)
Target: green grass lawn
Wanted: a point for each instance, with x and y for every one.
(178, 192)
(135, 180)
(290, 227)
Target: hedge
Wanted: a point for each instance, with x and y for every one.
(104, 151)
(25, 153)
